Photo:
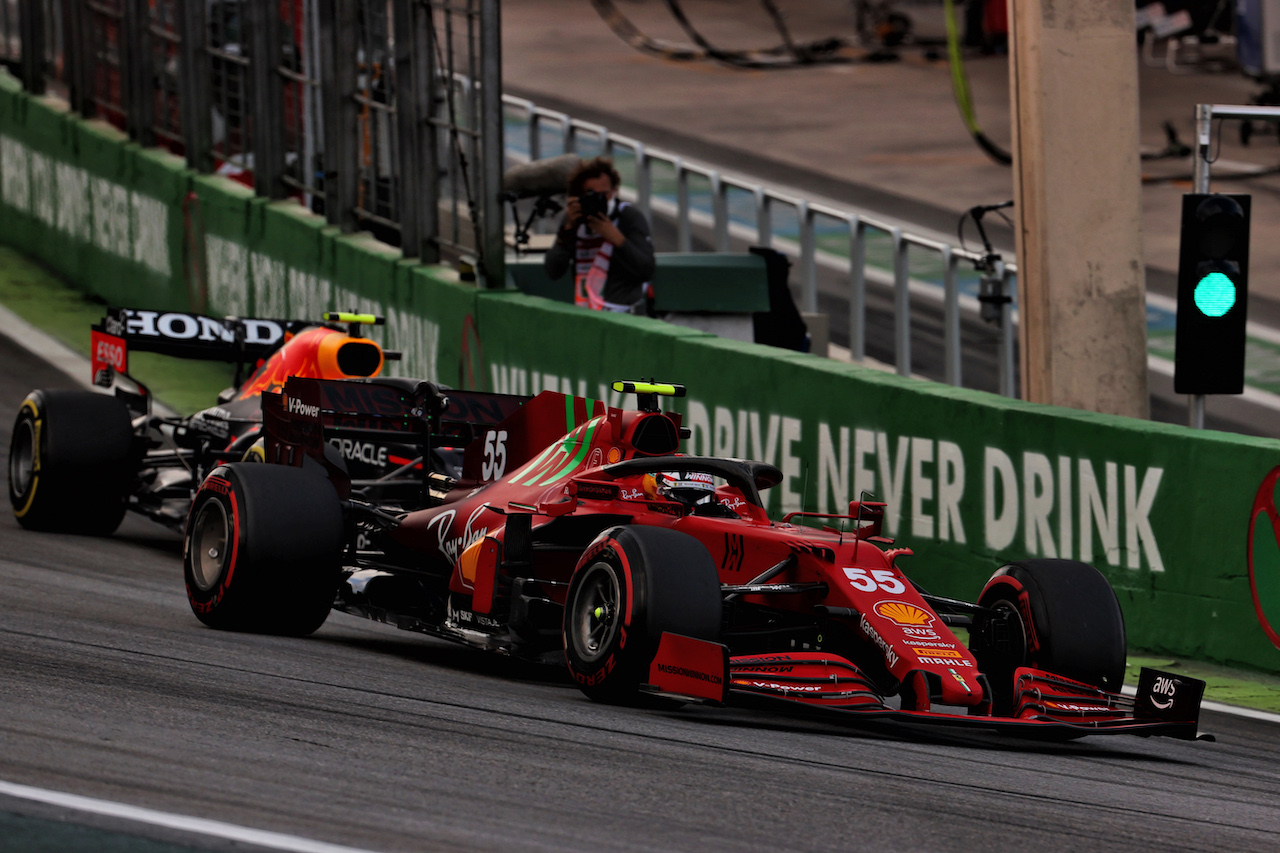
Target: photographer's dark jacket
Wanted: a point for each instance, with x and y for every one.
(629, 266)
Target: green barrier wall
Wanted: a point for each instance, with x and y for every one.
(971, 480)
(100, 211)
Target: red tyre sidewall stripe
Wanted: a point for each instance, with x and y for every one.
(630, 593)
(1023, 601)
(235, 543)
(207, 602)
(606, 666)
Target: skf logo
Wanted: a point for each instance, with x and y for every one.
(1166, 687)
(297, 407)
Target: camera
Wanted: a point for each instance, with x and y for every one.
(591, 203)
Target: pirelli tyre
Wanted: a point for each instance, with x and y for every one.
(70, 462)
(632, 584)
(263, 548)
(1060, 616)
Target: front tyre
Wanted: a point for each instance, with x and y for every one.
(263, 549)
(70, 462)
(1060, 616)
(630, 586)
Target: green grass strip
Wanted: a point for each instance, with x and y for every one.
(38, 296)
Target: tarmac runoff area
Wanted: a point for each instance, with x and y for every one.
(887, 137)
(48, 318)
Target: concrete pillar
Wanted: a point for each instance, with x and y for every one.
(1077, 183)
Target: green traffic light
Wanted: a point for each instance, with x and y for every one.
(1215, 294)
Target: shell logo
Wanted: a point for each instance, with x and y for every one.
(906, 615)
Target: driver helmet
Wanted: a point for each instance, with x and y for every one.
(689, 487)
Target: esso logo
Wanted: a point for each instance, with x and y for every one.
(112, 354)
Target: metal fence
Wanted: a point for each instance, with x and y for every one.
(550, 132)
(387, 115)
(383, 115)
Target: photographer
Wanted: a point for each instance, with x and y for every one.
(605, 240)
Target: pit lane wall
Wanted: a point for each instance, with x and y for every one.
(971, 480)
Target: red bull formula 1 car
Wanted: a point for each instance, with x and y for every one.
(79, 459)
(576, 533)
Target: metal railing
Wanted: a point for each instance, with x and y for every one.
(639, 163)
(10, 33)
(384, 115)
(300, 73)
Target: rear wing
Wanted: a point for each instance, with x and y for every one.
(236, 340)
(298, 421)
(537, 434)
(196, 336)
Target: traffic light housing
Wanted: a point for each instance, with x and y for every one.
(1213, 294)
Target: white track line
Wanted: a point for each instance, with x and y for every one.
(195, 825)
(1220, 708)
(45, 346)
(1253, 395)
(1237, 711)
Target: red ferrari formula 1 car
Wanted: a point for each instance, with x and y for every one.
(577, 533)
(79, 459)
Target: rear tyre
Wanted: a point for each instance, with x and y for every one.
(630, 586)
(263, 549)
(1059, 616)
(70, 462)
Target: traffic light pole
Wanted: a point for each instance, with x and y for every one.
(1205, 114)
(1200, 184)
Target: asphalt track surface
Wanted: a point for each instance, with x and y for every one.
(366, 736)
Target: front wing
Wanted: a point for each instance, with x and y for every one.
(1166, 704)
(1046, 705)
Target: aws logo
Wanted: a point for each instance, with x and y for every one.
(1167, 689)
